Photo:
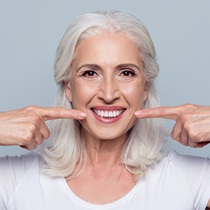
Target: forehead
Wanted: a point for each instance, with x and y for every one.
(107, 48)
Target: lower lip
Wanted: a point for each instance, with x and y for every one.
(107, 120)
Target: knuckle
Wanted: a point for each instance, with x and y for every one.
(185, 143)
(46, 135)
(28, 138)
(58, 110)
(32, 117)
(195, 136)
(174, 136)
(31, 147)
(32, 129)
(39, 139)
(30, 108)
(188, 127)
(191, 132)
(189, 107)
(35, 119)
(182, 140)
(193, 144)
(31, 112)
(184, 117)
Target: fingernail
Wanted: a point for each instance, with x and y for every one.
(82, 115)
(138, 113)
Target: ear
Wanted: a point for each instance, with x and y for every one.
(68, 91)
(146, 90)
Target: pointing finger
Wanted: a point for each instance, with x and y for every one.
(58, 113)
(170, 112)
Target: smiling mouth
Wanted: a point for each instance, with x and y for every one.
(108, 113)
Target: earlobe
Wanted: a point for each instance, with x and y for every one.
(68, 91)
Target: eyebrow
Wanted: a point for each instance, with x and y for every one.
(92, 66)
(126, 65)
(120, 66)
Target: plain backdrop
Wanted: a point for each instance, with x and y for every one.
(31, 30)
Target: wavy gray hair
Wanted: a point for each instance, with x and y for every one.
(143, 147)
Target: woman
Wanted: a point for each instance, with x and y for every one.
(105, 158)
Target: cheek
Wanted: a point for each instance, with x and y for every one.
(82, 94)
(136, 94)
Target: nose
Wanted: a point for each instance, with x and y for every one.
(109, 91)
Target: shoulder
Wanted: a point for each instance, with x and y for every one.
(184, 164)
(184, 161)
(24, 161)
(15, 167)
(28, 156)
(186, 176)
(194, 171)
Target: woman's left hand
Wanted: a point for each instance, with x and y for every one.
(192, 127)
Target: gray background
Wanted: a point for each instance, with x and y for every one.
(30, 32)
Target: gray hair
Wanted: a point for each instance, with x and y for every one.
(143, 147)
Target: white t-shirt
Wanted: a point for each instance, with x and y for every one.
(175, 183)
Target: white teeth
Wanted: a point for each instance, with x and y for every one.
(108, 114)
(111, 114)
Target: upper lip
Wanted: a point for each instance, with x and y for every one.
(108, 108)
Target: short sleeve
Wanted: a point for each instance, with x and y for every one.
(196, 172)
(12, 172)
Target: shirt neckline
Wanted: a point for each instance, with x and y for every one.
(86, 204)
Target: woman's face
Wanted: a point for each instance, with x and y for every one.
(107, 83)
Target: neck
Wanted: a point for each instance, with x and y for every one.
(104, 152)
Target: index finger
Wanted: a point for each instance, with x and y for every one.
(53, 113)
(169, 112)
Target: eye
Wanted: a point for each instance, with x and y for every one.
(89, 73)
(127, 73)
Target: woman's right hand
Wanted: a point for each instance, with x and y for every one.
(26, 127)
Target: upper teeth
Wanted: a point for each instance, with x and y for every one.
(102, 113)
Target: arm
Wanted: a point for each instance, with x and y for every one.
(26, 127)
